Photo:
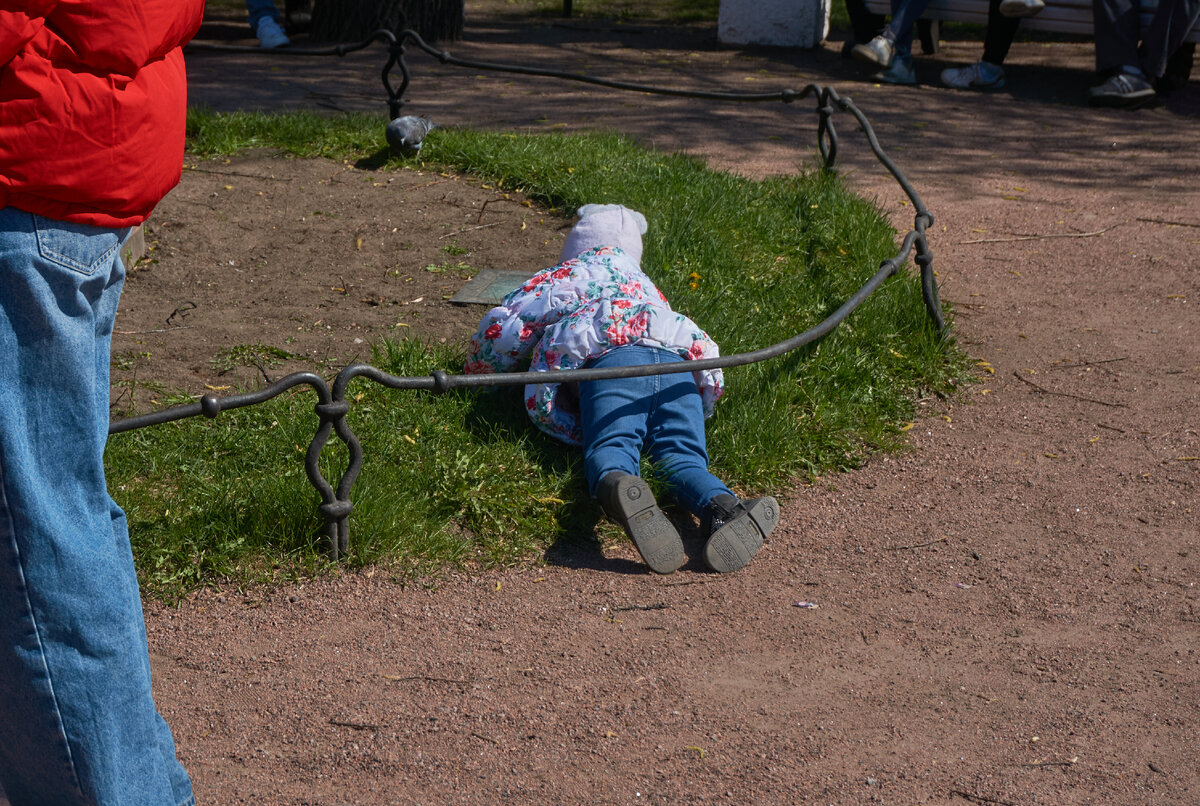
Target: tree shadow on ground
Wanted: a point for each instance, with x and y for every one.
(928, 129)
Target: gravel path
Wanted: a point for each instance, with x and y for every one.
(1007, 613)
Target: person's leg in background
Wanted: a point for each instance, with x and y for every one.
(265, 22)
(998, 39)
(258, 10)
(987, 74)
(1116, 25)
(864, 23)
(1178, 70)
(905, 14)
(74, 666)
(892, 49)
(1169, 27)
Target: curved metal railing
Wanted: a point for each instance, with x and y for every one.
(332, 404)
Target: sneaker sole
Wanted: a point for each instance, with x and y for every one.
(1135, 101)
(647, 526)
(736, 543)
(998, 84)
(894, 81)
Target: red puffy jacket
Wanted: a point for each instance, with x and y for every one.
(93, 106)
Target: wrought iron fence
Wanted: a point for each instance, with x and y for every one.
(332, 404)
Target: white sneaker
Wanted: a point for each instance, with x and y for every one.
(270, 35)
(978, 76)
(879, 52)
(1021, 8)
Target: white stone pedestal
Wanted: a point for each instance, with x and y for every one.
(789, 23)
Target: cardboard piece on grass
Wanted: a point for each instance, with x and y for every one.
(489, 287)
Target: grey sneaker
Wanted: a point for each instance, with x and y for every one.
(1124, 90)
(879, 52)
(1021, 8)
(628, 501)
(978, 76)
(901, 72)
(734, 530)
(270, 35)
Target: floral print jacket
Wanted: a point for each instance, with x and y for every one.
(578, 310)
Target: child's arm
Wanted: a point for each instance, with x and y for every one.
(508, 333)
(502, 342)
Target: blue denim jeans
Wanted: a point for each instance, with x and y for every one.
(257, 9)
(899, 30)
(78, 723)
(661, 413)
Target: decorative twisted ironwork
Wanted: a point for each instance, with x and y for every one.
(332, 404)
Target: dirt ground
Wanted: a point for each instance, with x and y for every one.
(1006, 614)
(259, 265)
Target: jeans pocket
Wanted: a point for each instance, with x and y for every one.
(82, 248)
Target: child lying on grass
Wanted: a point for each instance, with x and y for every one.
(597, 309)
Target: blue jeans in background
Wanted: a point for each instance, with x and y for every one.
(257, 9)
(77, 715)
(662, 413)
(899, 30)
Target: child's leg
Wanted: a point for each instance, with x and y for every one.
(733, 530)
(675, 440)
(612, 415)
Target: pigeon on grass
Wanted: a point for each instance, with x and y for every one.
(405, 135)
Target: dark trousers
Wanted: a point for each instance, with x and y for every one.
(1118, 29)
(866, 24)
(1000, 33)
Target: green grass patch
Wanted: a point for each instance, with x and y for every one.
(464, 478)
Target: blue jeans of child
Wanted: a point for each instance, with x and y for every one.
(77, 716)
(662, 413)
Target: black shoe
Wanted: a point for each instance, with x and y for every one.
(628, 501)
(734, 530)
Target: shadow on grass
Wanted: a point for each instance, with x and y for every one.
(497, 414)
(375, 160)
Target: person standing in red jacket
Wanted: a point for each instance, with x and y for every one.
(93, 102)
